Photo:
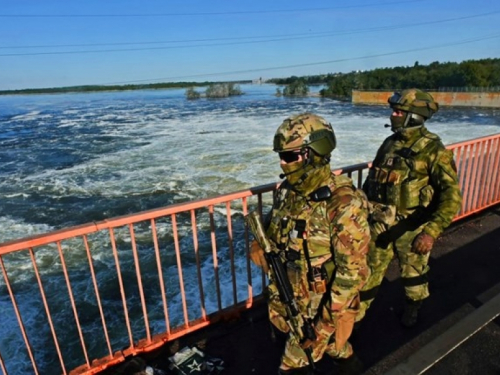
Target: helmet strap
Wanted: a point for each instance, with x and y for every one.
(415, 120)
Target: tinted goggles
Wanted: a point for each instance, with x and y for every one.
(395, 98)
(289, 156)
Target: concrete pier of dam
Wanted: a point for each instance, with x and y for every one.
(451, 99)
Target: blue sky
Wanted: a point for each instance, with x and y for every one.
(55, 43)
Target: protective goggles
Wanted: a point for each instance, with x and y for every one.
(395, 99)
(290, 156)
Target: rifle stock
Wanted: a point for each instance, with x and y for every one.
(300, 327)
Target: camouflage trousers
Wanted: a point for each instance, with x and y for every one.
(332, 332)
(385, 241)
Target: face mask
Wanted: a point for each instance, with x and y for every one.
(293, 171)
(397, 122)
(306, 178)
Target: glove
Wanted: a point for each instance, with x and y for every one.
(257, 256)
(422, 244)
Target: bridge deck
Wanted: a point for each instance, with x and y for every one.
(465, 289)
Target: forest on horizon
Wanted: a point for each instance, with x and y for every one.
(483, 73)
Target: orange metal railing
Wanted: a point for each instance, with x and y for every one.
(172, 270)
(478, 165)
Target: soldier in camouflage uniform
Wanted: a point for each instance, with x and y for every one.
(319, 224)
(414, 189)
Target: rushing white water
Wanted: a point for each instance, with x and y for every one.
(75, 158)
(70, 159)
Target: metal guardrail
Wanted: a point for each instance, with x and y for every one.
(478, 164)
(203, 233)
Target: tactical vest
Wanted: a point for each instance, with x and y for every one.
(401, 178)
(300, 228)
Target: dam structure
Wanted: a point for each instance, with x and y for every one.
(481, 99)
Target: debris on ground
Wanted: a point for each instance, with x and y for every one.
(194, 361)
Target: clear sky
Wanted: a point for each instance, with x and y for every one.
(55, 43)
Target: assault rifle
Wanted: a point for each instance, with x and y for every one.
(301, 328)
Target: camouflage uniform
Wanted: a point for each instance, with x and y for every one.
(413, 187)
(332, 232)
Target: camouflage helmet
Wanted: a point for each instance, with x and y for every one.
(305, 131)
(414, 101)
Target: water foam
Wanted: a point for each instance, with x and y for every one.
(107, 154)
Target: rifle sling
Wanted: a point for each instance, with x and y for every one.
(300, 227)
(327, 296)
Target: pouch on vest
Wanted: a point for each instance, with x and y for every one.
(319, 280)
(322, 275)
(426, 195)
(373, 184)
(394, 189)
(410, 193)
(393, 195)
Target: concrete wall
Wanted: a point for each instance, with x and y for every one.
(456, 99)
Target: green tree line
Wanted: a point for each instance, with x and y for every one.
(97, 88)
(470, 73)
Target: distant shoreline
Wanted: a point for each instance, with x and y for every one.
(91, 89)
(97, 88)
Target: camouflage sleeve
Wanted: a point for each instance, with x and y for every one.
(350, 239)
(444, 180)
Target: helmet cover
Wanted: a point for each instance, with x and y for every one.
(414, 101)
(305, 130)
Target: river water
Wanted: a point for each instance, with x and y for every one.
(74, 158)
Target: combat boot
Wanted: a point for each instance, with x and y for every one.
(349, 366)
(410, 313)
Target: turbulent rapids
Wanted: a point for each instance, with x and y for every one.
(74, 159)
